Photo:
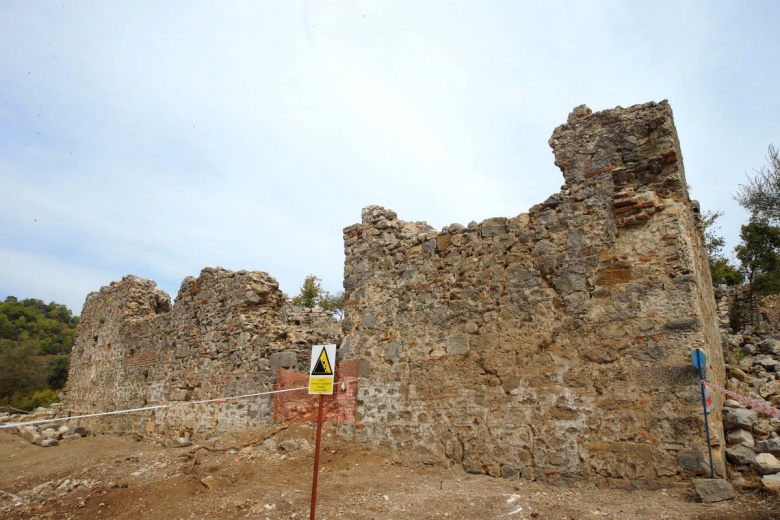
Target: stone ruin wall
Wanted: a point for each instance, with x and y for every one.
(555, 344)
(225, 335)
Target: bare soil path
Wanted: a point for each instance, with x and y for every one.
(110, 477)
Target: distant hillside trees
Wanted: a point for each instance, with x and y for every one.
(35, 343)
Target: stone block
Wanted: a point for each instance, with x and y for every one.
(614, 276)
(771, 482)
(31, 436)
(740, 455)
(769, 446)
(766, 463)
(493, 227)
(285, 359)
(742, 437)
(77, 430)
(738, 419)
(713, 490)
(458, 345)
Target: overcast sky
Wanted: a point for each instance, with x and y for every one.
(156, 138)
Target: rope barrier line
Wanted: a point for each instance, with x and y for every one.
(161, 406)
(761, 406)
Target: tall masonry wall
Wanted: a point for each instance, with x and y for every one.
(225, 335)
(555, 344)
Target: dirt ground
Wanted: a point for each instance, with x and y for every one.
(109, 477)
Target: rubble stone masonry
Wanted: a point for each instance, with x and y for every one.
(555, 344)
(226, 335)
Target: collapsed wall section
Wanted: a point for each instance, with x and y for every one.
(555, 344)
(226, 335)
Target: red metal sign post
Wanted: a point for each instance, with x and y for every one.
(316, 460)
(321, 375)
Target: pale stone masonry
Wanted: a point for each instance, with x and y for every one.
(555, 344)
(225, 335)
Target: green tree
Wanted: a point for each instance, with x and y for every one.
(759, 254)
(721, 268)
(761, 195)
(35, 340)
(724, 272)
(57, 372)
(22, 370)
(313, 295)
(334, 303)
(51, 326)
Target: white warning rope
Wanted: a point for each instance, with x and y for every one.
(161, 406)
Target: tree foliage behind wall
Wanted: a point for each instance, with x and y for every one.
(722, 269)
(759, 251)
(35, 343)
(759, 254)
(312, 295)
(761, 194)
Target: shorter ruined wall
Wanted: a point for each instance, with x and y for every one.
(226, 335)
(554, 344)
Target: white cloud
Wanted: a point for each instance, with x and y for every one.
(156, 139)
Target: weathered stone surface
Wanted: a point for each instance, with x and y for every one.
(226, 335)
(578, 319)
(31, 436)
(713, 490)
(738, 419)
(767, 362)
(553, 345)
(742, 437)
(694, 463)
(286, 359)
(769, 446)
(766, 463)
(741, 455)
(749, 349)
(771, 482)
(210, 482)
(77, 430)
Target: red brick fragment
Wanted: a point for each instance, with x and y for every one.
(593, 173)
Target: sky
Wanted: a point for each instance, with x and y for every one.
(157, 138)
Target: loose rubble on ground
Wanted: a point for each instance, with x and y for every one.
(46, 430)
(752, 437)
(753, 448)
(266, 474)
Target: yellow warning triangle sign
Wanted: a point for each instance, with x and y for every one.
(322, 367)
